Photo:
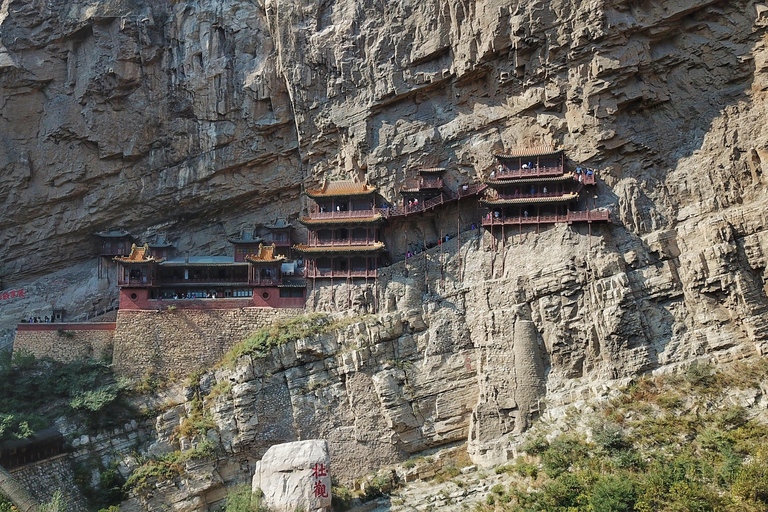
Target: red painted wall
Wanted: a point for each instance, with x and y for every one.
(142, 302)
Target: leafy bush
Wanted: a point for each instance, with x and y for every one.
(535, 446)
(341, 498)
(752, 481)
(167, 467)
(35, 391)
(241, 499)
(613, 493)
(700, 375)
(6, 505)
(262, 341)
(562, 453)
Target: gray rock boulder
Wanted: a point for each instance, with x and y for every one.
(295, 476)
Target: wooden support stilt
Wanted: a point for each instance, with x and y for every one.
(458, 244)
(441, 257)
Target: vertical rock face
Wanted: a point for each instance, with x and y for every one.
(295, 476)
(199, 116)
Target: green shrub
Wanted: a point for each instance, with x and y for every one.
(341, 498)
(6, 504)
(167, 467)
(563, 453)
(535, 446)
(609, 438)
(700, 375)
(33, 392)
(241, 499)
(96, 400)
(613, 493)
(752, 481)
(527, 469)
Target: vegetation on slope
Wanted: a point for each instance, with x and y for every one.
(261, 342)
(33, 392)
(677, 443)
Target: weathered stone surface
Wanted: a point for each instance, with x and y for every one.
(295, 476)
(198, 117)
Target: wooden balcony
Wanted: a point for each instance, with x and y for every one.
(202, 281)
(266, 281)
(142, 282)
(536, 172)
(349, 214)
(423, 183)
(600, 215)
(325, 272)
(571, 217)
(347, 242)
(279, 241)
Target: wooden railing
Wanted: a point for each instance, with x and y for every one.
(266, 281)
(347, 242)
(350, 214)
(538, 172)
(571, 216)
(537, 195)
(209, 281)
(136, 282)
(444, 197)
(317, 272)
(589, 216)
(423, 183)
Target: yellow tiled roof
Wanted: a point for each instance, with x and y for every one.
(138, 254)
(266, 254)
(542, 150)
(341, 188)
(530, 200)
(343, 220)
(309, 249)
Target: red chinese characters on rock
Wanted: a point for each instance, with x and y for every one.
(13, 294)
(320, 490)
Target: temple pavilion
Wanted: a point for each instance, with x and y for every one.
(206, 282)
(246, 242)
(279, 235)
(113, 242)
(532, 186)
(427, 185)
(343, 231)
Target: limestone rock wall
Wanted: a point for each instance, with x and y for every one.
(197, 117)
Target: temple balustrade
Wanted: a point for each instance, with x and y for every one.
(326, 272)
(347, 242)
(317, 214)
(571, 216)
(423, 182)
(536, 172)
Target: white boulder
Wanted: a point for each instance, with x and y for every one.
(295, 476)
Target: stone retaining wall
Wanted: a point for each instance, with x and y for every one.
(65, 342)
(46, 477)
(176, 343)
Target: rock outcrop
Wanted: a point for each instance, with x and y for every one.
(295, 476)
(197, 117)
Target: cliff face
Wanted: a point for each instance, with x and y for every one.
(198, 117)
